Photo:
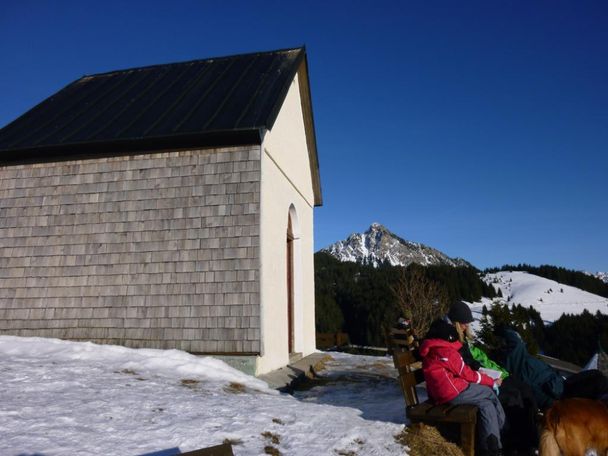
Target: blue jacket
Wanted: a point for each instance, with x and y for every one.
(547, 385)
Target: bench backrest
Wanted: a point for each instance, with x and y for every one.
(410, 375)
(402, 338)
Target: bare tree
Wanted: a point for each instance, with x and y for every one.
(420, 299)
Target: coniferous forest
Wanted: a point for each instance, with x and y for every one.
(573, 338)
(358, 299)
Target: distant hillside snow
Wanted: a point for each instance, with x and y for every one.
(548, 297)
(603, 276)
(378, 245)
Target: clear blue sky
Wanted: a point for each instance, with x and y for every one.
(479, 128)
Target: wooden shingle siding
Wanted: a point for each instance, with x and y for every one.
(157, 250)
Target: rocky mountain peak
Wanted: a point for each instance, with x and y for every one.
(378, 245)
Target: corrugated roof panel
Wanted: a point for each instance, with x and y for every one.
(241, 95)
(41, 118)
(113, 104)
(164, 107)
(265, 69)
(139, 102)
(132, 106)
(63, 126)
(230, 102)
(268, 94)
(212, 99)
(182, 102)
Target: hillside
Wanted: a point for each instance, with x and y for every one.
(560, 320)
(592, 283)
(550, 298)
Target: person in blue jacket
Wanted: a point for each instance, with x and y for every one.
(546, 383)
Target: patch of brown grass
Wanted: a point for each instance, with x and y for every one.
(128, 371)
(189, 383)
(235, 388)
(424, 440)
(271, 450)
(274, 438)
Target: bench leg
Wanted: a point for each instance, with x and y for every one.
(467, 438)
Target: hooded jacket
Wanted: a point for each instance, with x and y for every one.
(547, 385)
(445, 372)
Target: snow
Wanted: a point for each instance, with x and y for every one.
(550, 298)
(61, 397)
(592, 363)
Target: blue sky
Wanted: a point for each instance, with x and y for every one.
(479, 128)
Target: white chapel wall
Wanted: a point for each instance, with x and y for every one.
(286, 184)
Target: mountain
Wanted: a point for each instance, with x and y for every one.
(378, 245)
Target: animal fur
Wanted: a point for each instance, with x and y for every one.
(574, 426)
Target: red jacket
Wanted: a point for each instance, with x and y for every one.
(445, 372)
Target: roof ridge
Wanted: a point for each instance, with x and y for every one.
(186, 62)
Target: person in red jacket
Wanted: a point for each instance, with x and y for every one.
(449, 379)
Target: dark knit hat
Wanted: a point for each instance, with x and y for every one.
(460, 312)
(441, 329)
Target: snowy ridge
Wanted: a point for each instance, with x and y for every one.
(603, 276)
(378, 245)
(550, 298)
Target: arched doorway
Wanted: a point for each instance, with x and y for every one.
(290, 287)
(294, 279)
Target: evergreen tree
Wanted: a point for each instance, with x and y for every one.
(358, 299)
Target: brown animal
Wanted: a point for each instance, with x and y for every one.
(573, 426)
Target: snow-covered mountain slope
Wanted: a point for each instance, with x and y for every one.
(378, 244)
(603, 276)
(549, 297)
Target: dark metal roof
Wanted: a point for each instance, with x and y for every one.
(223, 101)
(227, 100)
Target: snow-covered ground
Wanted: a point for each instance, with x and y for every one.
(59, 398)
(549, 297)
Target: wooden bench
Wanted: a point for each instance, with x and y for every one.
(401, 339)
(465, 416)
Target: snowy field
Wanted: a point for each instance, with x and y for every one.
(549, 297)
(66, 398)
(60, 398)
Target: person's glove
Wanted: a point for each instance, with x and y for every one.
(495, 388)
